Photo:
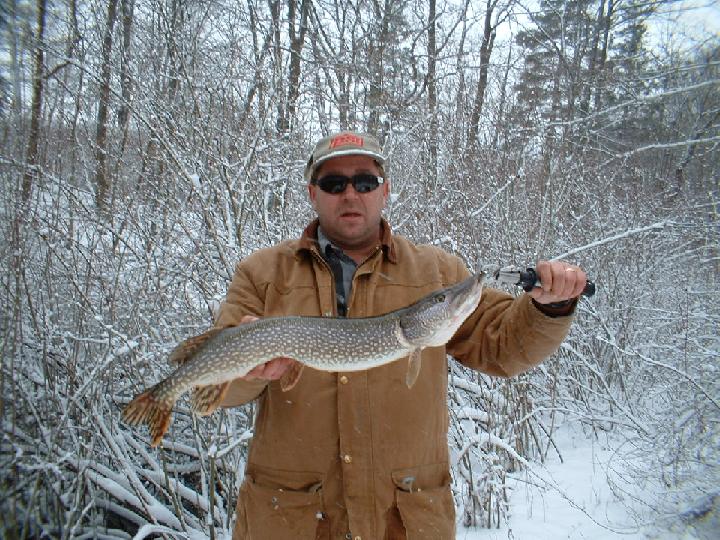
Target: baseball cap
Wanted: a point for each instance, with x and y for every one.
(345, 143)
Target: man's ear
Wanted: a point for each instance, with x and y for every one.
(312, 194)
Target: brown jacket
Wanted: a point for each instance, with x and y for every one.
(359, 455)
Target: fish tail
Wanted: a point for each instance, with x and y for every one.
(205, 399)
(146, 408)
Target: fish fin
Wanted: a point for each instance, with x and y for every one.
(291, 377)
(413, 367)
(147, 409)
(205, 399)
(187, 348)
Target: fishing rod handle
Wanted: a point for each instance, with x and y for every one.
(529, 280)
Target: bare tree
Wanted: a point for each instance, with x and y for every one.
(286, 119)
(432, 87)
(31, 157)
(488, 40)
(102, 181)
(123, 115)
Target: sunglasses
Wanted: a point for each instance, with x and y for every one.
(337, 183)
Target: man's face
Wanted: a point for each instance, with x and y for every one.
(350, 219)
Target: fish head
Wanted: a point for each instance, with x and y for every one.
(433, 320)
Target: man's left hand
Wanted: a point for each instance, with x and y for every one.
(560, 281)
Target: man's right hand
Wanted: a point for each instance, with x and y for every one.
(270, 370)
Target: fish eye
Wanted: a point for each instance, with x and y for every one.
(440, 298)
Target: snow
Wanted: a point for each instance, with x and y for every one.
(147, 530)
(574, 500)
(96, 297)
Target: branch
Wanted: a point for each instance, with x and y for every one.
(638, 100)
(664, 146)
(633, 352)
(654, 227)
(679, 372)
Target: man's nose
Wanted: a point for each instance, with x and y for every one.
(350, 192)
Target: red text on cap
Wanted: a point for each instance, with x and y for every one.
(346, 139)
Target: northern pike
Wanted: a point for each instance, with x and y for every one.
(210, 361)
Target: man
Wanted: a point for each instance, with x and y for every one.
(359, 455)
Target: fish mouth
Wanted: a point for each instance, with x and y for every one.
(468, 297)
(469, 290)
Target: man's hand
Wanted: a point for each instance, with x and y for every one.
(270, 370)
(560, 281)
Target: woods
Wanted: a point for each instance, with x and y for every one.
(148, 145)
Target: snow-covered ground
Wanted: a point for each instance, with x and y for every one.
(574, 500)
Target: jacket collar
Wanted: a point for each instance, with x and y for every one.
(308, 240)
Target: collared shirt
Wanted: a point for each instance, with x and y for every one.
(343, 268)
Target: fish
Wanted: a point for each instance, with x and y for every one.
(210, 361)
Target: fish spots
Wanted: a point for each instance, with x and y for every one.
(329, 344)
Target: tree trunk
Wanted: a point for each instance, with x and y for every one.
(297, 41)
(502, 102)
(15, 61)
(175, 24)
(603, 56)
(485, 52)
(126, 83)
(592, 76)
(277, 82)
(376, 59)
(460, 69)
(127, 8)
(31, 169)
(432, 90)
(102, 182)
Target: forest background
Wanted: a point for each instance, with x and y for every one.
(146, 146)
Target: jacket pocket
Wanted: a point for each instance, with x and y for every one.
(425, 502)
(279, 504)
